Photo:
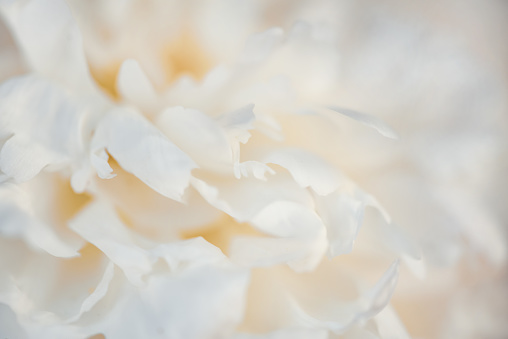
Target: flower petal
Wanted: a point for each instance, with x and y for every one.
(237, 123)
(135, 87)
(389, 325)
(188, 253)
(368, 120)
(244, 198)
(141, 149)
(199, 302)
(343, 216)
(287, 219)
(50, 41)
(151, 214)
(99, 225)
(46, 292)
(18, 220)
(98, 292)
(308, 169)
(367, 306)
(302, 255)
(198, 135)
(9, 326)
(43, 123)
(286, 334)
(22, 159)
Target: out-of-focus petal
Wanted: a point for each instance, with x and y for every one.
(482, 231)
(9, 326)
(343, 216)
(134, 87)
(368, 305)
(389, 325)
(368, 120)
(50, 41)
(261, 45)
(286, 334)
(360, 333)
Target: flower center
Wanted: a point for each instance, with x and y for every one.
(186, 56)
(183, 56)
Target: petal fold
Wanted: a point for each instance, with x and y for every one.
(141, 149)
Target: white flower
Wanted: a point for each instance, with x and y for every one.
(194, 170)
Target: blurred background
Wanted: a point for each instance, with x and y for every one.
(437, 71)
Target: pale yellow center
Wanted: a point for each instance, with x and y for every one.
(184, 56)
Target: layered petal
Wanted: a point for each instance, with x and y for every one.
(141, 149)
(44, 125)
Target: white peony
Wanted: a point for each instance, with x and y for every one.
(203, 169)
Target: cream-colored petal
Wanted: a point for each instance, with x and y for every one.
(368, 120)
(20, 220)
(141, 149)
(135, 88)
(99, 225)
(198, 135)
(307, 169)
(44, 124)
(50, 41)
(286, 334)
(198, 302)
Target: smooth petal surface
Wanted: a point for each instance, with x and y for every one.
(151, 214)
(97, 294)
(141, 149)
(134, 86)
(244, 198)
(50, 41)
(22, 160)
(9, 326)
(99, 225)
(287, 219)
(44, 125)
(47, 292)
(286, 334)
(261, 45)
(368, 120)
(19, 221)
(307, 169)
(389, 325)
(198, 135)
(198, 303)
(368, 305)
(343, 216)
